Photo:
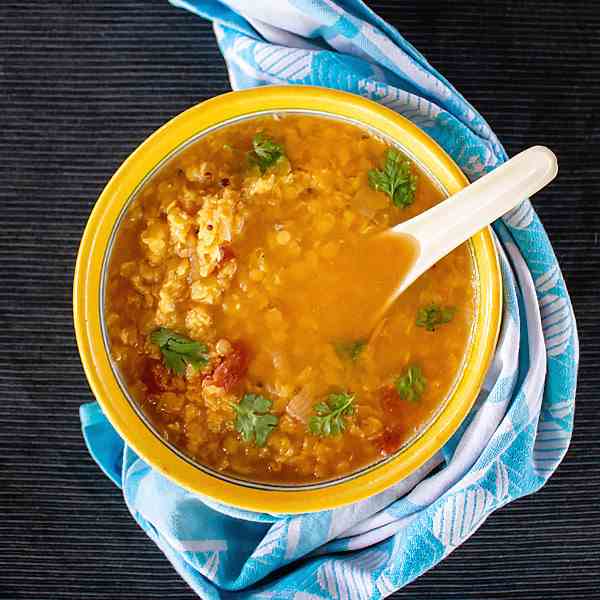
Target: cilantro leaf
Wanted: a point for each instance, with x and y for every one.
(329, 415)
(179, 351)
(350, 350)
(412, 384)
(253, 419)
(265, 153)
(395, 179)
(432, 315)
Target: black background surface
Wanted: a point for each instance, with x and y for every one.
(81, 85)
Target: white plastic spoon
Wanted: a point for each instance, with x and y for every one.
(442, 228)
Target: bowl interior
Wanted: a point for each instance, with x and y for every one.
(135, 405)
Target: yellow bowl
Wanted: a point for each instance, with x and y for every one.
(88, 301)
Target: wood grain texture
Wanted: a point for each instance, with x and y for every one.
(82, 84)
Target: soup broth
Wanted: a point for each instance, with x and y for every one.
(241, 294)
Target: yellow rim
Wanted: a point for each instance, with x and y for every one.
(88, 275)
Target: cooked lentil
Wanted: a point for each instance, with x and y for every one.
(265, 265)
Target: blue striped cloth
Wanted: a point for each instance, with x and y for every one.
(513, 439)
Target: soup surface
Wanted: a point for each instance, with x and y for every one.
(241, 292)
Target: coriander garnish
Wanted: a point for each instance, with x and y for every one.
(253, 419)
(432, 315)
(350, 350)
(329, 417)
(396, 179)
(411, 385)
(179, 351)
(266, 152)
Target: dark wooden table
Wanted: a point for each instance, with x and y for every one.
(83, 83)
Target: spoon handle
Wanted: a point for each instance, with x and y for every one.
(447, 225)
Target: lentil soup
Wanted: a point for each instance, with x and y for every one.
(240, 293)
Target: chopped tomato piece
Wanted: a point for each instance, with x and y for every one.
(232, 369)
(156, 376)
(227, 253)
(390, 441)
(392, 406)
(390, 399)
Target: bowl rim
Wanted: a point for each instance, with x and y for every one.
(89, 275)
